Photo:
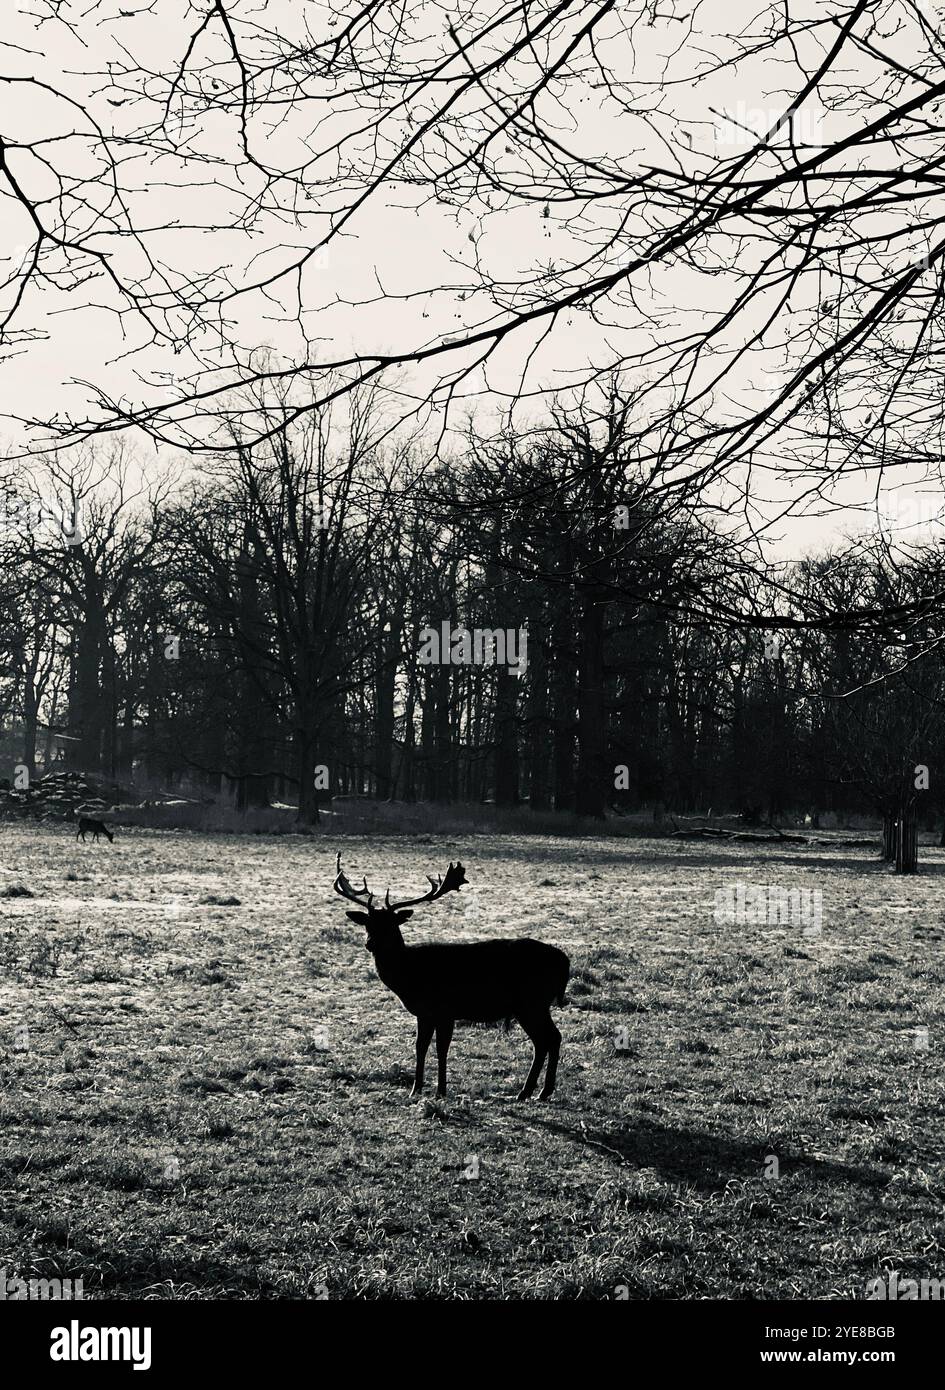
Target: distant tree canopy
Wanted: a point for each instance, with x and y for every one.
(259, 625)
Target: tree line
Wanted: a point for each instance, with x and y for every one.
(260, 623)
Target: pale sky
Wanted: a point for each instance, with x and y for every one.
(371, 290)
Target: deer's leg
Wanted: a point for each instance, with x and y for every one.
(444, 1036)
(537, 1029)
(424, 1034)
(554, 1049)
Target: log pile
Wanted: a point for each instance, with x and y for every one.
(57, 796)
(772, 837)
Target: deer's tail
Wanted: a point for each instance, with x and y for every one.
(566, 975)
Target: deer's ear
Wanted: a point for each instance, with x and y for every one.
(402, 917)
(361, 918)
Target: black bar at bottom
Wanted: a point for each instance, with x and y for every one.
(167, 1339)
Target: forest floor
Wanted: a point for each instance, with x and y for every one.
(204, 1087)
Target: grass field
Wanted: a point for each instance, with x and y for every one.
(205, 1086)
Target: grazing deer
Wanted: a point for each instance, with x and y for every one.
(477, 981)
(97, 828)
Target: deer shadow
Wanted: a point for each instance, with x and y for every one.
(697, 1158)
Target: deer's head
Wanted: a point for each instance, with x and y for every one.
(384, 920)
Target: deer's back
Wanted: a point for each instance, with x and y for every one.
(479, 981)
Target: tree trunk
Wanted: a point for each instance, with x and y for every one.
(30, 710)
(385, 685)
(428, 734)
(563, 707)
(443, 758)
(86, 708)
(907, 840)
(592, 732)
(251, 752)
(408, 761)
(539, 726)
(305, 771)
(506, 737)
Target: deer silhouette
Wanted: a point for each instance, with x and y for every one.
(476, 981)
(96, 827)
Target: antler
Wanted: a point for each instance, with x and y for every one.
(453, 880)
(362, 896)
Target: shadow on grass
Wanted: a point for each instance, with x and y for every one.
(699, 1159)
(132, 1271)
(617, 852)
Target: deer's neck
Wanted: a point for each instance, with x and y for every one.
(392, 963)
